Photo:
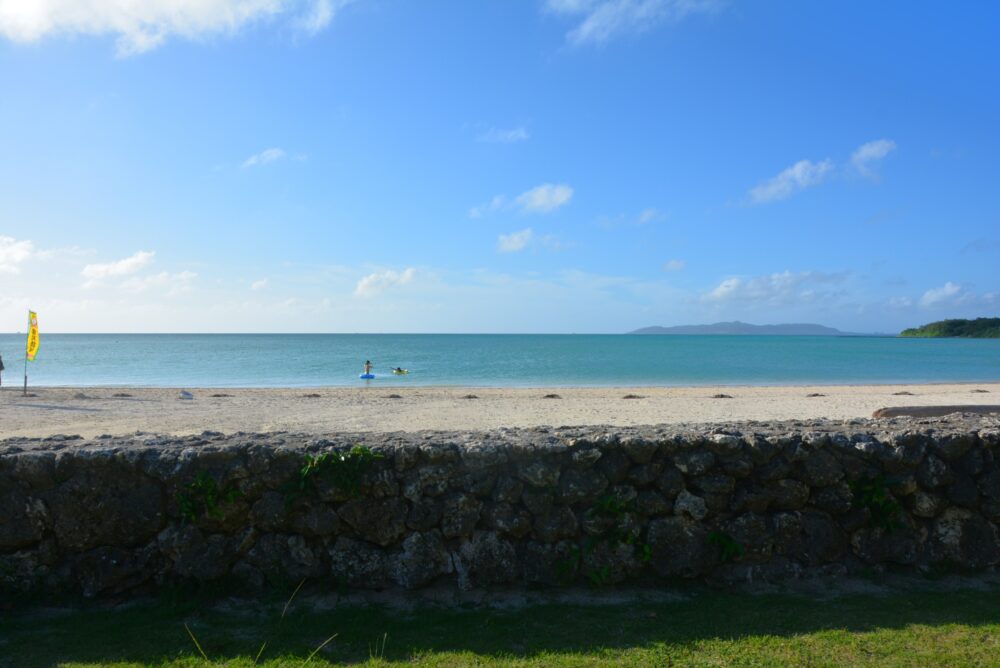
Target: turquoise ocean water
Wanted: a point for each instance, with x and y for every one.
(281, 360)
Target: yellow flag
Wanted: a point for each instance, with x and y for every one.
(32, 335)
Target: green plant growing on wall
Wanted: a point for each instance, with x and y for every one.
(343, 470)
(872, 494)
(565, 568)
(730, 549)
(600, 576)
(203, 497)
(6, 569)
(612, 507)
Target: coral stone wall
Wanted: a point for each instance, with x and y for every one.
(514, 507)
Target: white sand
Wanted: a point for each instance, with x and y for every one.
(93, 411)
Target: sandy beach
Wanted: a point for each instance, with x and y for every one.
(93, 411)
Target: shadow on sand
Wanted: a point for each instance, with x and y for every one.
(52, 407)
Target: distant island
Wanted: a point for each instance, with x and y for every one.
(980, 328)
(737, 327)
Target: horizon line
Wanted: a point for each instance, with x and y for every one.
(629, 333)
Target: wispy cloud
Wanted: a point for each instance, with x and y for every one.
(544, 198)
(503, 135)
(981, 246)
(375, 284)
(13, 253)
(803, 174)
(868, 155)
(900, 302)
(143, 26)
(172, 284)
(776, 289)
(644, 217)
(674, 265)
(494, 205)
(259, 285)
(515, 241)
(264, 157)
(124, 267)
(602, 20)
(650, 215)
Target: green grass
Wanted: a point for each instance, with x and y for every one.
(709, 628)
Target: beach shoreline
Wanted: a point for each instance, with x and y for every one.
(387, 382)
(93, 411)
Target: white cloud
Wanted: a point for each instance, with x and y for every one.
(803, 174)
(725, 290)
(493, 205)
(375, 284)
(674, 265)
(264, 157)
(602, 20)
(320, 14)
(515, 241)
(13, 253)
(544, 198)
(130, 265)
(259, 285)
(866, 155)
(503, 136)
(947, 293)
(174, 284)
(773, 289)
(142, 25)
(644, 217)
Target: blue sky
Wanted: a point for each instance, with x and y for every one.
(535, 166)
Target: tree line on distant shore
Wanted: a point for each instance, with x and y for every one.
(980, 328)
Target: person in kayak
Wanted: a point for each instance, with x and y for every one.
(399, 370)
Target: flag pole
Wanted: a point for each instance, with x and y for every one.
(27, 338)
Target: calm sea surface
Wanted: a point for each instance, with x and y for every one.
(275, 360)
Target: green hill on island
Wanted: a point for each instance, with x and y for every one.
(980, 328)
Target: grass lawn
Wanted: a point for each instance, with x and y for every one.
(708, 628)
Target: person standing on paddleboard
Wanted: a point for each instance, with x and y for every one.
(368, 367)
(1, 370)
